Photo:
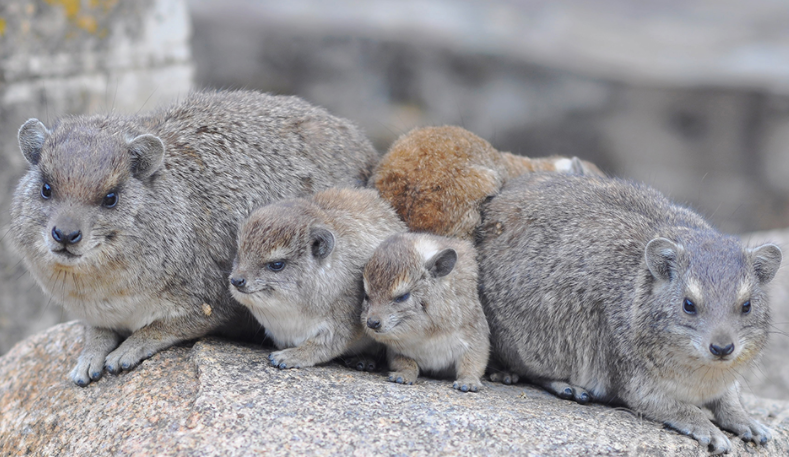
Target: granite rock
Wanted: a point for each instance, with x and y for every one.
(216, 397)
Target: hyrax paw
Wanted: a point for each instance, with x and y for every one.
(504, 377)
(126, 357)
(89, 368)
(362, 363)
(749, 430)
(467, 385)
(401, 377)
(287, 358)
(569, 392)
(707, 435)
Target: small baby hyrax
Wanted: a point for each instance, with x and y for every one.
(437, 177)
(299, 270)
(421, 301)
(601, 289)
(130, 221)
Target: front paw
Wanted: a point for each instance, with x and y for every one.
(287, 358)
(127, 356)
(504, 377)
(467, 384)
(749, 430)
(401, 377)
(707, 435)
(89, 367)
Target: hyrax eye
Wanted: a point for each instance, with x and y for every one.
(110, 200)
(276, 266)
(688, 306)
(746, 307)
(402, 298)
(46, 191)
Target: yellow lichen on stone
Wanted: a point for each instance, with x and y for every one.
(2, 26)
(85, 20)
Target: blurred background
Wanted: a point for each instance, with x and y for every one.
(689, 96)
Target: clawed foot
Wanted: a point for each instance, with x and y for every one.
(504, 377)
(563, 390)
(363, 363)
(127, 356)
(749, 430)
(467, 385)
(90, 367)
(401, 377)
(707, 435)
(288, 358)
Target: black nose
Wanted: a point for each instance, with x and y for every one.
(721, 351)
(63, 238)
(238, 282)
(373, 323)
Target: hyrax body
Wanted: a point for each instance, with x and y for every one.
(602, 289)
(130, 221)
(422, 303)
(299, 270)
(437, 177)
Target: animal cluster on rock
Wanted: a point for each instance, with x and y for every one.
(232, 212)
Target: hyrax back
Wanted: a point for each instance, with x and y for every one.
(422, 303)
(130, 221)
(437, 177)
(603, 288)
(299, 270)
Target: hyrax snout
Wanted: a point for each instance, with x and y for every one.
(299, 271)
(421, 301)
(130, 221)
(603, 289)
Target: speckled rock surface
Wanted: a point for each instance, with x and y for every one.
(222, 398)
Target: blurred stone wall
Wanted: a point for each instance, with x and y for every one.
(74, 57)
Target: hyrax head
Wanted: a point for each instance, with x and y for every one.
(88, 178)
(402, 284)
(707, 306)
(283, 251)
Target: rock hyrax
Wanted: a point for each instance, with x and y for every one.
(299, 270)
(603, 289)
(422, 303)
(437, 177)
(130, 221)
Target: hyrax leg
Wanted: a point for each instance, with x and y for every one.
(98, 343)
(685, 418)
(149, 340)
(567, 391)
(470, 368)
(318, 349)
(730, 415)
(404, 370)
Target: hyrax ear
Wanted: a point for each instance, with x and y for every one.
(147, 152)
(577, 167)
(442, 263)
(766, 260)
(661, 255)
(31, 137)
(322, 242)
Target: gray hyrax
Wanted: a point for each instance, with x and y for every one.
(422, 303)
(299, 270)
(130, 222)
(601, 289)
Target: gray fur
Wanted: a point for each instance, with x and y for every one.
(439, 326)
(310, 307)
(584, 283)
(154, 267)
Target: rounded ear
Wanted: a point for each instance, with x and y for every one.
(442, 263)
(147, 153)
(322, 242)
(766, 260)
(661, 255)
(31, 137)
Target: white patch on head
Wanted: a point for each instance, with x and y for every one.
(743, 292)
(426, 248)
(563, 165)
(694, 291)
(277, 254)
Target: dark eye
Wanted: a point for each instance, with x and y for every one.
(110, 200)
(746, 307)
(688, 306)
(276, 266)
(403, 297)
(46, 191)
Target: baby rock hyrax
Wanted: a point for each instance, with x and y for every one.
(422, 303)
(437, 177)
(602, 289)
(299, 270)
(130, 221)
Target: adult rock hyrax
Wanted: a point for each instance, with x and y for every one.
(602, 289)
(437, 177)
(299, 270)
(130, 221)
(422, 303)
